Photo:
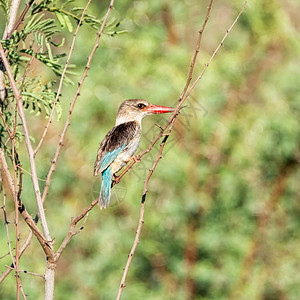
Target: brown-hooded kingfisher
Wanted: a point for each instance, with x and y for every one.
(121, 142)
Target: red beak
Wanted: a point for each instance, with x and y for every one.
(156, 109)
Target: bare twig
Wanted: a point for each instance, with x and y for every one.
(11, 21)
(23, 293)
(16, 261)
(168, 125)
(8, 253)
(26, 73)
(24, 247)
(173, 116)
(190, 76)
(72, 231)
(26, 216)
(27, 272)
(6, 228)
(61, 80)
(8, 130)
(80, 83)
(141, 220)
(13, 11)
(28, 145)
(16, 220)
(215, 52)
(183, 96)
(20, 20)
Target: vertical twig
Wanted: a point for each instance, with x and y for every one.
(80, 83)
(15, 262)
(16, 220)
(23, 294)
(24, 247)
(11, 21)
(34, 177)
(169, 125)
(141, 219)
(26, 216)
(20, 20)
(215, 52)
(49, 275)
(190, 76)
(6, 227)
(13, 11)
(61, 80)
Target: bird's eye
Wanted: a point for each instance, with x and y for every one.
(141, 105)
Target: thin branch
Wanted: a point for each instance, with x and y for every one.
(215, 52)
(190, 76)
(16, 220)
(61, 80)
(170, 122)
(22, 291)
(26, 72)
(72, 231)
(26, 216)
(26, 272)
(24, 247)
(20, 20)
(8, 253)
(28, 145)
(13, 11)
(141, 220)
(16, 261)
(80, 83)
(11, 21)
(183, 98)
(8, 130)
(6, 228)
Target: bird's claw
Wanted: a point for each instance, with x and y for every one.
(117, 179)
(136, 158)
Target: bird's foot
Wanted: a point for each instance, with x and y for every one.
(136, 158)
(117, 179)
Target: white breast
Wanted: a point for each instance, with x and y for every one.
(123, 158)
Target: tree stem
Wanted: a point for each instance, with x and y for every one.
(49, 280)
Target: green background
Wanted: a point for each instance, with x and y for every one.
(222, 217)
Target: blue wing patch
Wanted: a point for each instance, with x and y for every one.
(109, 157)
(104, 198)
(113, 144)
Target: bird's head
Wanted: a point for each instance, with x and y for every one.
(137, 109)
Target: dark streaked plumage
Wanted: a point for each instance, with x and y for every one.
(114, 139)
(121, 142)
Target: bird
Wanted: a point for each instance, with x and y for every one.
(121, 142)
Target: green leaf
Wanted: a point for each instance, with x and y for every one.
(68, 23)
(60, 19)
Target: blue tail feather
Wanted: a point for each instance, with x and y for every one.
(104, 198)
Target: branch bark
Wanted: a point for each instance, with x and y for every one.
(61, 80)
(34, 177)
(13, 12)
(185, 94)
(26, 216)
(80, 83)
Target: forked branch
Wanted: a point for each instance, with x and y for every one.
(61, 79)
(80, 83)
(169, 125)
(34, 177)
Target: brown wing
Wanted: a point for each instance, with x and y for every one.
(113, 143)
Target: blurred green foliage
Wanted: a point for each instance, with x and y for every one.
(222, 213)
